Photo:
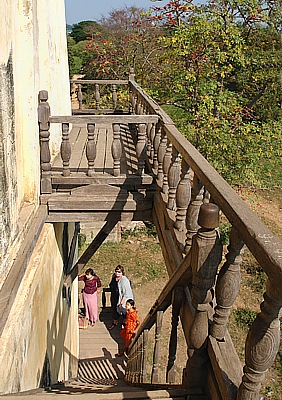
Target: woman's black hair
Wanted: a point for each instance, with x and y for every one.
(89, 271)
(131, 302)
(120, 268)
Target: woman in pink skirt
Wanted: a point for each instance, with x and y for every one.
(90, 294)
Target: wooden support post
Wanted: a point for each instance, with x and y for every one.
(161, 154)
(206, 254)
(152, 138)
(155, 371)
(44, 137)
(66, 149)
(141, 148)
(79, 96)
(183, 197)
(97, 96)
(166, 164)
(156, 143)
(91, 149)
(176, 305)
(144, 356)
(262, 343)
(193, 212)
(116, 149)
(114, 97)
(228, 277)
(173, 178)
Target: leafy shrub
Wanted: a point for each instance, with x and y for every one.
(244, 317)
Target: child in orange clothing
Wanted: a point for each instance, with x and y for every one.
(131, 324)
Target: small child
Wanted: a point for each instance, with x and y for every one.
(130, 325)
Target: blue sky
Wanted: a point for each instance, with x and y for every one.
(82, 10)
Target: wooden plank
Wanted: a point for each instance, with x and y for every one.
(98, 204)
(82, 179)
(101, 81)
(129, 146)
(102, 137)
(74, 216)
(13, 280)
(226, 366)
(105, 119)
(101, 190)
(78, 150)
(109, 162)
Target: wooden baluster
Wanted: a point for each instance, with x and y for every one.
(97, 96)
(176, 306)
(44, 137)
(139, 359)
(156, 143)
(90, 149)
(193, 212)
(141, 148)
(131, 74)
(262, 343)
(161, 154)
(66, 149)
(116, 149)
(149, 143)
(144, 355)
(183, 196)
(134, 369)
(79, 96)
(227, 285)
(152, 139)
(155, 370)
(173, 178)
(166, 164)
(206, 254)
(114, 97)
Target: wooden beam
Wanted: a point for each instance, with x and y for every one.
(74, 216)
(92, 248)
(105, 119)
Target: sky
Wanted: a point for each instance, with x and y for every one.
(82, 10)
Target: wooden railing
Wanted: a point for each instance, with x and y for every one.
(191, 248)
(141, 124)
(104, 96)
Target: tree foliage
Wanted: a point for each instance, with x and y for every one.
(216, 67)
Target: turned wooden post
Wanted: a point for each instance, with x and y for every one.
(116, 149)
(66, 149)
(79, 96)
(97, 96)
(149, 144)
(262, 343)
(227, 285)
(173, 178)
(193, 212)
(176, 306)
(156, 144)
(155, 370)
(183, 196)
(90, 149)
(141, 148)
(152, 138)
(114, 96)
(206, 254)
(44, 137)
(144, 355)
(161, 154)
(166, 164)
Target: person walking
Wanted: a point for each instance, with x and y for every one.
(125, 291)
(90, 292)
(115, 296)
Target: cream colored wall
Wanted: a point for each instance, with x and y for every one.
(41, 325)
(33, 57)
(41, 322)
